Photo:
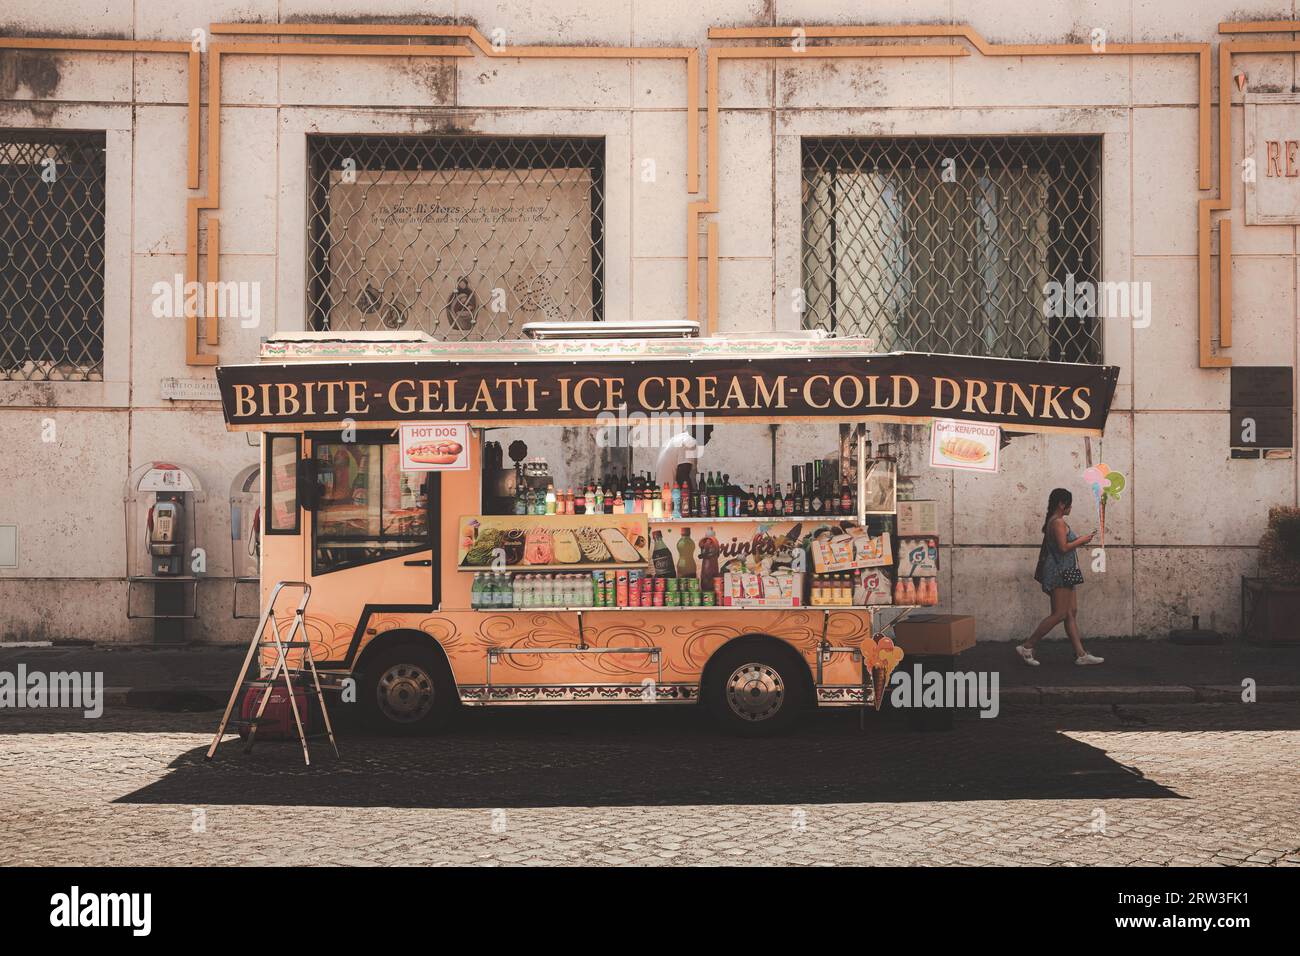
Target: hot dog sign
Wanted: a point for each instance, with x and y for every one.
(435, 446)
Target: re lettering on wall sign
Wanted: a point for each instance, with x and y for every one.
(1271, 152)
(1283, 156)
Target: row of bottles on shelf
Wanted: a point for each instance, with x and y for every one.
(711, 495)
(922, 591)
(492, 589)
(502, 589)
(853, 588)
(832, 589)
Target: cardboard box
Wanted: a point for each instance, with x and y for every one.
(937, 634)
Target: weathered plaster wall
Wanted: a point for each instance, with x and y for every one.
(1184, 531)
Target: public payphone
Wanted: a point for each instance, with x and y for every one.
(166, 534)
(246, 541)
(164, 556)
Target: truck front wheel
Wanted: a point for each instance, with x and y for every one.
(407, 691)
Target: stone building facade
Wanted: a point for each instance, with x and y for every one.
(1084, 139)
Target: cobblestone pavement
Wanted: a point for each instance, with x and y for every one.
(1210, 783)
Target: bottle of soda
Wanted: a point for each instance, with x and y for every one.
(661, 559)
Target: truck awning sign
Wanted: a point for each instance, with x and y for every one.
(903, 387)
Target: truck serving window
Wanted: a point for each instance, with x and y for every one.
(368, 509)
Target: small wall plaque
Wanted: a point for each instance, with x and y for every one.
(190, 389)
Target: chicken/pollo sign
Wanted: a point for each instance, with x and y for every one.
(435, 446)
(967, 445)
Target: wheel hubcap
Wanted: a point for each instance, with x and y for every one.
(755, 692)
(405, 693)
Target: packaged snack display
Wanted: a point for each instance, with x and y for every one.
(854, 548)
(762, 590)
(522, 542)
(643, 558)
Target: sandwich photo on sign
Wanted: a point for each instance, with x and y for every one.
(965, 445)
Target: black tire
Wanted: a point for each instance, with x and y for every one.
(757, 688)
(406, 690)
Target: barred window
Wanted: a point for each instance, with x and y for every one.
(950, 244)
(51, 255)
(463, 237)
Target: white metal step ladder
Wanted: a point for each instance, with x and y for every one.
(281, 671)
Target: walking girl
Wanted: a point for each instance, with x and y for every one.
(1059, 575)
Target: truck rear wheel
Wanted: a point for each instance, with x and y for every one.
(407, 691)
(756, 690)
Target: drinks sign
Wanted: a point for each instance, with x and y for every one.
(895, 387)
(965, 445)
(435, 446)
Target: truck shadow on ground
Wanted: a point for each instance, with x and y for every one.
(550, 757)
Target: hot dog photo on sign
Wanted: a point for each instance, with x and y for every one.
(436, 453)
(435, 447)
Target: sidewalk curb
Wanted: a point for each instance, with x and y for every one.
(178, 697)
(200, 697)
(1148, 695)
(1116, 694)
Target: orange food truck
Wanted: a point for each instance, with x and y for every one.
(440, 575)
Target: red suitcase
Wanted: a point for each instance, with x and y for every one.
(277, 719)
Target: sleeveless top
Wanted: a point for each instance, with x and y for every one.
(1052, 563)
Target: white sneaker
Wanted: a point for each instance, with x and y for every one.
(1087, 659)
(1027, 655)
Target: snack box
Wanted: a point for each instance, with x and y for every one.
(782, 590)
(857, 549)
(872, 552)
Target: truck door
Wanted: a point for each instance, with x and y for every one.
(370, 547)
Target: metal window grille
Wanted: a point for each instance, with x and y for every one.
(463, 237)
(51, 255)
(951, 244)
